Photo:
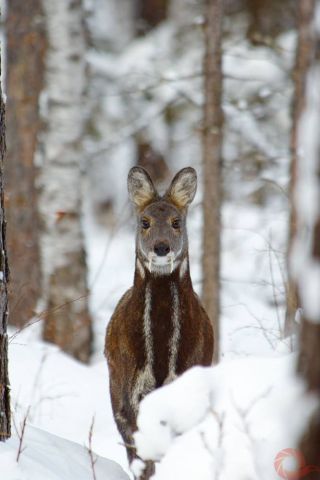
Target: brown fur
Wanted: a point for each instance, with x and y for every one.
(125, 340)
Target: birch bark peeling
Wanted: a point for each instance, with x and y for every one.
(26, 44)
(67, 322)
(212, 150)
(5, 413)
(303, 61)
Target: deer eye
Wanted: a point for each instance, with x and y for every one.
(176, 223)
(145, 224)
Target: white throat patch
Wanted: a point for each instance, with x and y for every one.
(161, 265)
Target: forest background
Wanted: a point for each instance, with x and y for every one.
(92, 88)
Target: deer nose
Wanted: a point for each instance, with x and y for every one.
(161, 249)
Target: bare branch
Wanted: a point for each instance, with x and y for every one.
(93, 458)
(41, 316)
(220, 420)
(21, 433)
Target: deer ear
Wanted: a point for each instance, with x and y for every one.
(140, 187)
(183, 187)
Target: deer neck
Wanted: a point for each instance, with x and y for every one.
(161, 321)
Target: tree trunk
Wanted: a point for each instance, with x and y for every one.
(303, 60)
(269, 18)
(26, 45)
(150, 13)
(212, 146)
(67, 321)
(5, 413)
(305, 258)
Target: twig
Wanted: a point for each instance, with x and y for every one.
(21, 434)
(243, 414)
(128, 132)
(275, 300)
(164, 81)
(249, 327)
(41, 315)
(93, 458)
(263, 329)
(220, 420)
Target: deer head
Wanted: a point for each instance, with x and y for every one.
(162, 241)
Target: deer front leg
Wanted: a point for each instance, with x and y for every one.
(125, 403)
(126, 428)
(126, 433)
(124, 417)
(148, 471)
(143, 384)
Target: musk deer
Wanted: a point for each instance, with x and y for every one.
(159, 328)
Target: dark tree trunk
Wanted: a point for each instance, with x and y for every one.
(5, 414)
(303, 60)
(212, 146)
(25, 56)
(151, 159)
(149, 13)
(306, 253)
(268, 18)
(309, 366)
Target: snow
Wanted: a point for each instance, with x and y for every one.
(62, 394)
(60, 398)
(47, 456)
(256, 70)
(237, 417)
(310, 288)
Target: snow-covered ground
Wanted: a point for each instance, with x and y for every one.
(49, 457)
(60, 399)
(237, 419)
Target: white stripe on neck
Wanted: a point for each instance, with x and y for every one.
(183, 268)
(175, 338)
(147, 326)
(140, 268)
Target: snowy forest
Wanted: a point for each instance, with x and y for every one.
(90, 91)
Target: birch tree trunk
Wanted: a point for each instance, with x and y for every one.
(212, 146)
(5, 413)
(67, 321)
(303, 60)
(305, 257)
(26, 45)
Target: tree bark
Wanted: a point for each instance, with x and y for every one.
(67, 321)
(212, 147)
(305, 259)
(150, 13)
(303, 60)
(26, 45)
(269, 18)
(5, 413)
